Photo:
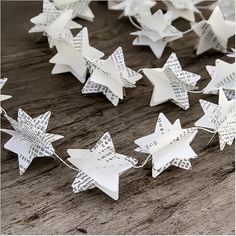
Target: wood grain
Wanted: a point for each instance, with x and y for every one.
(41, 201)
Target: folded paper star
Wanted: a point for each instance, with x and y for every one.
(214, 33)
(171, 83)
(110, 77)
(220, 118)
(182, 9)
(222, 76)
(29, 138)
(136, 8)
(80, 8)
(71, 57)
(168, 145)
(154, 35)
(99, 167)
(227, 8)
(55, 24)
(3, 97)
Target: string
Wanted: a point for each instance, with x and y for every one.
(144, 163)
(71, 167)
(210, 131)
(201, 15)
(211, 138)
(5, 113)
(187, 31)
(192, 91)
(134, 24)
(139, 70)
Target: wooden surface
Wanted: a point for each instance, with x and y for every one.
(41, 201)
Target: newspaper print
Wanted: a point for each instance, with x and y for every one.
(29, 138)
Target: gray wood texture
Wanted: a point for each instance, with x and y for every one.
(41, 201)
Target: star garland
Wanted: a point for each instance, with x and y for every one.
(169, 144)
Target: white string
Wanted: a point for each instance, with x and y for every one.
(134, 24)
(210, 131)
(192, 91)
(211, 138)
(5, 113)
(139, 70)
(202, 16)
(187, 31)
(65, 163)
(144, 163)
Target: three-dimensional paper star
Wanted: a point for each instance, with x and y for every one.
(80, 8)
(55, 24)
(171, 83)
(99, 167)
(222, 76)
(154, 35)
(71, 57)
(220, 118)
(136, 8)
(182, 9)
(29, 138)
(110, 77)
(3, 97)
(214, 33)
(168, 145)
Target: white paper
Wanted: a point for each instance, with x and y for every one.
(3, 97)
(55, 24)
(80, 8)
(171, 83)
(220, 118)
(71, 57)
(168, 145)
(110, 77)
(182, 9)
(213, 33)
(136, 8)
(222, 76)
(99, 167)
(154, 35)
(29, 138)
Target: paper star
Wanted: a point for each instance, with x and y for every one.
(136, 8)
(222, 76)
(99, 167)
(227, 8)
(71, 57)
(221, 118)
(55, 24)
(80, 8)
(3, 97)
(213, 33)
(154, 35)
(182, 9)
(171, 83)
(110, 77)
(29, 138)
(168, 145)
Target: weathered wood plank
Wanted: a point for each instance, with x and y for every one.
(200, 201)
